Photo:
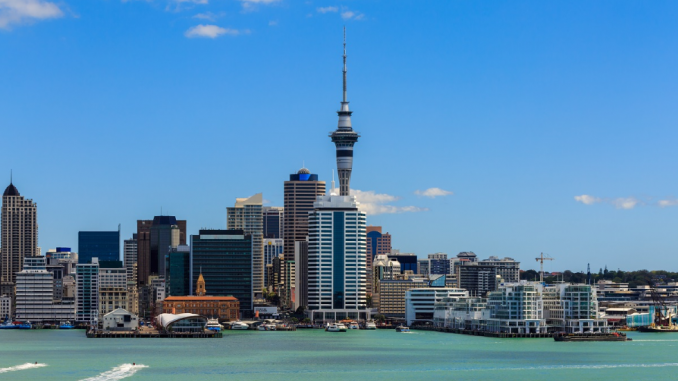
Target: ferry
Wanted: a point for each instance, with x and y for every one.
(402, 328)
(240, 326)
(213, 325)
(7, 324)
(612, 336)
(66, 325)
(370, 325)
(335, 328)
(24, 325)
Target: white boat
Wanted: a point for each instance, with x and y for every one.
(213, 325)
(335, 328)
(402, 328)
(353, 325)
(266, 327)
(238, 325)
(370, 325)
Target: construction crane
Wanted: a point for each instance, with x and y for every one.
(541, 259)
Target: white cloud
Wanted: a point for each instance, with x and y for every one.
(179, 5)
(251, 5)
(377, 203)
(619, 203)
(211, 31)
(25, 11)
(273, 23)
(587, 200)
(209, 16)
(327, 9)
(351, 15)
(669, 202)
(625, 202)
(433, 192)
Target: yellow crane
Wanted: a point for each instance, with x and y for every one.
(541, 259)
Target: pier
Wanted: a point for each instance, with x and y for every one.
(152, 335)
(501, 335)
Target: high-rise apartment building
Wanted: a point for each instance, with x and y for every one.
(130, 255)
(87, 294)
(301, 274)
(35, 299)
(224, 257)
(154, 239)
(273, 221)
(247, 216)
(507, 268)
(104, 245)
(337, 260)
(300, 193)
(477, 279)
(19, 238)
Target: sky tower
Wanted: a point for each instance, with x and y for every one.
(344, 138)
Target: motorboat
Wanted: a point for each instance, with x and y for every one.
(266, 327)
(66, 325)
(7, 324)
(402, 328)
(370, 325)
(24, 325)
(353, 325)
(213, 325)
(240, 326)
(335, 328)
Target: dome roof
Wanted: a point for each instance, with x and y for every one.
(303, 171)
(11, 190)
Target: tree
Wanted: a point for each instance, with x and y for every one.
(294, 320)
(380, 317)
(369, 300)
(300, 310)
(306, 321)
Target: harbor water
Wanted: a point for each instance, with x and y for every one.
(319, 355)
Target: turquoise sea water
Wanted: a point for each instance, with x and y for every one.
(319, 355)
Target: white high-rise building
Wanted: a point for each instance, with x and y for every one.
(247, 215)
(35, 294)
(337, 277)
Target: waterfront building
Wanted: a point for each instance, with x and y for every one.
(5, 307)
(224, 308)
(186, 322)
(476, 278)
(391, 299)
(273, 217)
(337, 260)
(573, 308)
(19, 237)
(154, 239)
(507, 268)
(120, 320)
(112, 287)
(87, 295)
(377, 243)
(246, 215)
(301, 274)
(104, 245)
(300, 192)
(273, 248)
(225, 259)
(179, 271)
(420, 302)
(408, 261)
(461, 313)
(35, 294)
(516, 308)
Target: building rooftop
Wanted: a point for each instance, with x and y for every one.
(11, 190)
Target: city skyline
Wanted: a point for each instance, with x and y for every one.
(583, 181)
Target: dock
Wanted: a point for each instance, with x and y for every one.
(153, 335)
(501, 335)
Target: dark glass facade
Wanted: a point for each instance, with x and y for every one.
(225, 259)
(407, 262)
(338, 260)
(439, 266)
(179, 273)
(102, 245)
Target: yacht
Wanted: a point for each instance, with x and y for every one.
(266, 327)
(370, 325)
(353, 325)
(213, 325)
(66, 325)
(238, 325)
(335, 328)
(402, 328)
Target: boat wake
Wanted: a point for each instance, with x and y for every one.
(117, 373)
(25, 366)
(601, 366)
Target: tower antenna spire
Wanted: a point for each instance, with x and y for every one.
(344, 64)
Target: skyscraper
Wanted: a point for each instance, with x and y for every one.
(154, 239)
(224, 258)
(19, 236)
(246, 215)
(179, 271)
(87, 295)
(336, 260)
(378, 243)
(130, 256)
(300, 193)
(104, 245)
(344, 138)
(273, 221)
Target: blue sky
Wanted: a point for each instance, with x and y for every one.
(552, 124)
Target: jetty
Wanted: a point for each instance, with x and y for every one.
(501, 335)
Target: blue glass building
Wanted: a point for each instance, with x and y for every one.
(104, 245)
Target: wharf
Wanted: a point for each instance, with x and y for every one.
(153, 335)
(501, 335)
